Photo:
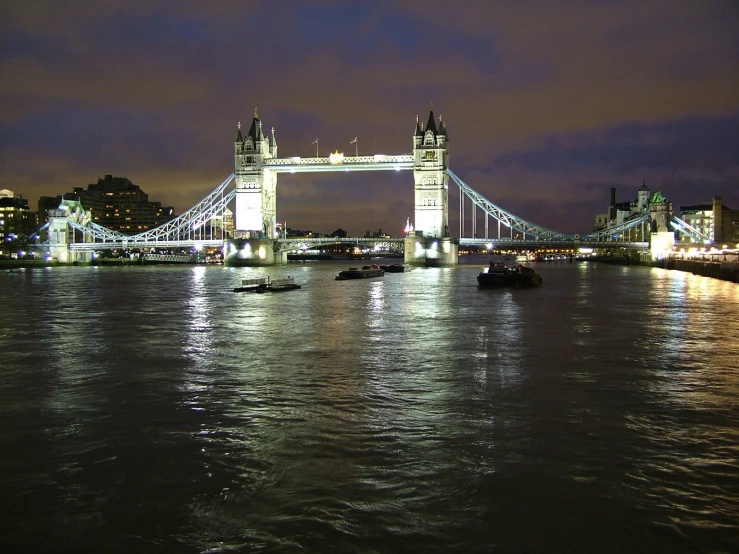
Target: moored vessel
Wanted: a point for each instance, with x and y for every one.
(396, 268)
(366, 272)
(499, 275)
(266, 284)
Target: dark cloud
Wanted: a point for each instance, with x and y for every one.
(548, 104)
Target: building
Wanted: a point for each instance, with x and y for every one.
(118, 204)
(713, 220)
(17, 223)
(376, 235)
(622, 212)
(45, 204)
(222, 226)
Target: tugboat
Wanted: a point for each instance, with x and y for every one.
(500, 275)
(266, 284)
(366, 272)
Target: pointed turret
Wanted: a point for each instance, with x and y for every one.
(239, 137)
(442, 128)
(419, 128)
(273, 144)
(255, 131)
(431, 125)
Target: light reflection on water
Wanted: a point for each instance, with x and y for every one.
(155, 410)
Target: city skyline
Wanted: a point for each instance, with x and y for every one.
(547, 107)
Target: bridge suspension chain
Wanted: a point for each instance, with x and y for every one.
(687, 229)
(502, 216)
(180, 227)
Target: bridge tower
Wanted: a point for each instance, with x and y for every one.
(256, 187)
(61, 234)
(430, 243)
(662, 239)
(431, 159)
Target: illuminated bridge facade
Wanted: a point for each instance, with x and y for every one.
(252, 190)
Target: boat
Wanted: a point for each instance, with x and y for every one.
(266, 284)
(366, 272)
(500, 275)
(396, 268)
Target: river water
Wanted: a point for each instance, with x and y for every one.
(151, 409)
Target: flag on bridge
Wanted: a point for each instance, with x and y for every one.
(355, 140)
(315, 142)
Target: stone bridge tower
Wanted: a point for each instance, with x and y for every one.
(431, 159)
(256, 187)
(431, 244)
(662, 238)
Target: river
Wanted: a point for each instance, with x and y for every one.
(151, 409)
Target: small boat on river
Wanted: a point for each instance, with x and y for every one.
(366, 272)
(499, 275)
(266, 284)
(396, 268)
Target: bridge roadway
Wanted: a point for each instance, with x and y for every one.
(296, 244)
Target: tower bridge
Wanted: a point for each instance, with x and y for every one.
(252, 189)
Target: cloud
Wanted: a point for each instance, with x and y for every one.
(547, 105)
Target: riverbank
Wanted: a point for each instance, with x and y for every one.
(35, 263)
(30, 263)
(726, 271)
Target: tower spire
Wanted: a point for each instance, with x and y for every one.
(431, 124)
(256, 114)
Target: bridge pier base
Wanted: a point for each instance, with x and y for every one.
(661, 244)
(254, 252)
(431, 251)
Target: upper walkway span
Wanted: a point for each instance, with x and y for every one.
(338, 162)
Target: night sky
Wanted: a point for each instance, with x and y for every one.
(548, 104)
